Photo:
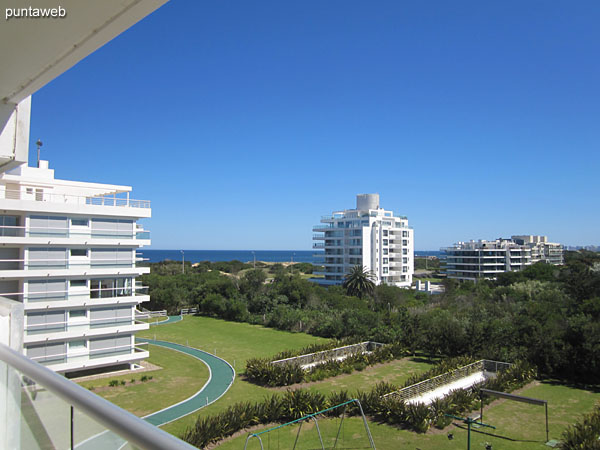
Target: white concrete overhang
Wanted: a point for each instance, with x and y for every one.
(34, 51)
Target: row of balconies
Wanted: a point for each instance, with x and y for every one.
(43, 195)
(20, 231)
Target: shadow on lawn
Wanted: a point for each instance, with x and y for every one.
(499, 436)
(595, 388)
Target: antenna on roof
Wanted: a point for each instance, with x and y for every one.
(39, 145)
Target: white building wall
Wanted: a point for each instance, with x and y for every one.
(76, 280)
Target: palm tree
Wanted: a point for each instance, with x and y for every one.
(359, 282)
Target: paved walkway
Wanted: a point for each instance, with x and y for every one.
(219, 381)
(170, 319)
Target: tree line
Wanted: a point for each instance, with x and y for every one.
(547, 315)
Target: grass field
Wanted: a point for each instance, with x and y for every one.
(236, 342)
(519, 426)
(180, 377)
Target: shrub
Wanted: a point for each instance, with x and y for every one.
(113, 383)
(144, 378)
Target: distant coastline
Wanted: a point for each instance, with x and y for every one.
(195, 256)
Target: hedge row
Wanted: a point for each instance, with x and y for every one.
(298, 403)
(263, 372)
(584, 434)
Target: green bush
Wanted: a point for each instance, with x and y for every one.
(392, 410)
(583, 434)
(113, 383)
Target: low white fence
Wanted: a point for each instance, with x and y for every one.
(418, 389)
(311, 359)
(186, 311)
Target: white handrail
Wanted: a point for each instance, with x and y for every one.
(125, 424)
(14, 194)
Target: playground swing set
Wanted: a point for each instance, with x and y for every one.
(339, 442)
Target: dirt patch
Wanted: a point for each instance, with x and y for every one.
(145, 367)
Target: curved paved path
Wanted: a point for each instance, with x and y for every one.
(221, 377)
(170, 319)
(219, 381)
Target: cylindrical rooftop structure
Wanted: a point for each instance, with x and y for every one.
(365, 202)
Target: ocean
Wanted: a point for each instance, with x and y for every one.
(195, 256)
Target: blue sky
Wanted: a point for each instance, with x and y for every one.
(244, 122)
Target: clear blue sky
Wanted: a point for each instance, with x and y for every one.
(244, 122)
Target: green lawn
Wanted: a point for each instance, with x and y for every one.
(239, 341)
(180, 377)
(232, 341)
(519, 426)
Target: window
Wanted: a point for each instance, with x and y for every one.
(78, 283)
(8, 225)
(48, 226)
(80, 222)
(47, 258)
(112, 228)
(405, 251)
(77, 314)
(78, 252)
(385, 232)
(44, 290)
(404, 241)
(111, 287)
(385, 242)
(404, 269)
(405, 260)
(77, 345)
(404, 233)
(385, 260)
(385, 251)
(385, 270)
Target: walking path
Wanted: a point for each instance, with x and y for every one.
(221, 377)
(170, 319)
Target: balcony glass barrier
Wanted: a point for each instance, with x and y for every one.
(86, 294)
(41, 196)
(56, 327)
(17, 231)
(21, 264)
(46, 410)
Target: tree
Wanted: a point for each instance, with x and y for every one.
(359, 282)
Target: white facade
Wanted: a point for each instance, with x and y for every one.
(486, 259)
(367, 236)
(68, 252)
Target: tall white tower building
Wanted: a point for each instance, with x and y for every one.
(68, 252)
(368, 236)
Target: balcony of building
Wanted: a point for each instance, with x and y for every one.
(46, 410)
(42, 330)
(32, 235)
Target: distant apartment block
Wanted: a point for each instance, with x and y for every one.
(486, 259)
(368, 236)
(68, 253)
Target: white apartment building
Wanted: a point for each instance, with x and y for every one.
(474, 260)
(68, 252)
(367, 236)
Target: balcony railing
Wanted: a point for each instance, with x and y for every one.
(60, 263)
(92, 324)
(61, 232)
(67, 414)
(84, 294)
(62, 358)
(44, 196)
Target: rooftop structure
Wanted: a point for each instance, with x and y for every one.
(474, 260)
(368, 236)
